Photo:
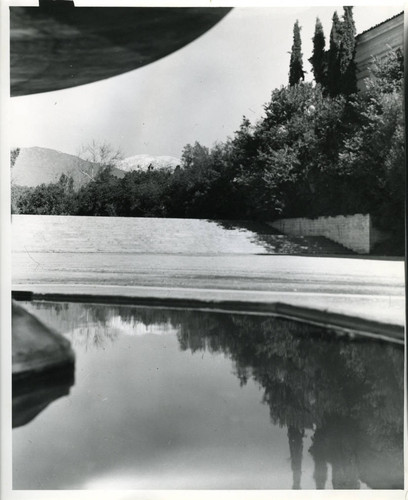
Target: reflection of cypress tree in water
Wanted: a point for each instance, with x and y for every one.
(366, 442)
(320, 461)
(295, 437)
(337, 443)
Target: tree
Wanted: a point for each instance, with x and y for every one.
(333, 76)
(101, 154)
(373, 156)
(48, 199)
(318, 59)
(296, 72)
(347, 50)
(204, 186)
(287, 157)
(195, 158)
(13, 156)
(100, 196)
(143, 194)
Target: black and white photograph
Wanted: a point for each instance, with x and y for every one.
(203, 249)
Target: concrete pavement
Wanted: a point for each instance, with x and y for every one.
(363, 288)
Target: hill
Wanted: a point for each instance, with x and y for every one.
(35, 166)
(142, 162)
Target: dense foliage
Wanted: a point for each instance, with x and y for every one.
(311, 154)
(46, 199)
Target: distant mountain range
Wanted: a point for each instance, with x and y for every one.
(35, 166)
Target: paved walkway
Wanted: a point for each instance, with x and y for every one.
(370, 289)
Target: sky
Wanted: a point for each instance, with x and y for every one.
(199, 93)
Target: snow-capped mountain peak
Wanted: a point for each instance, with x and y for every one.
(143, 161)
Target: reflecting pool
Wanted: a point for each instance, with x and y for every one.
(185, 399)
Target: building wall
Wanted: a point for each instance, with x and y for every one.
(377, 42)
(352, 231)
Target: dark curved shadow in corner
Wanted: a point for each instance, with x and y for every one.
(55, 47)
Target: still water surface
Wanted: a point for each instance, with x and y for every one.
(185, 399)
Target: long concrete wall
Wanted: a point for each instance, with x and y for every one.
(352, 231)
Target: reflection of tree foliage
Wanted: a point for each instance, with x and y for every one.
(349, 392)
(84, 324)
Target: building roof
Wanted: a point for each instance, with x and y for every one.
(379, 24)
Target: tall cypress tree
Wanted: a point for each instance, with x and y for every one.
(333, 75)
(296, 63)
(318, 59)
(348, 81)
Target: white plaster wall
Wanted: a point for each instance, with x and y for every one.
(377, 42)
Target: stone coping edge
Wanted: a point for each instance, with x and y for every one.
(351, 325)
